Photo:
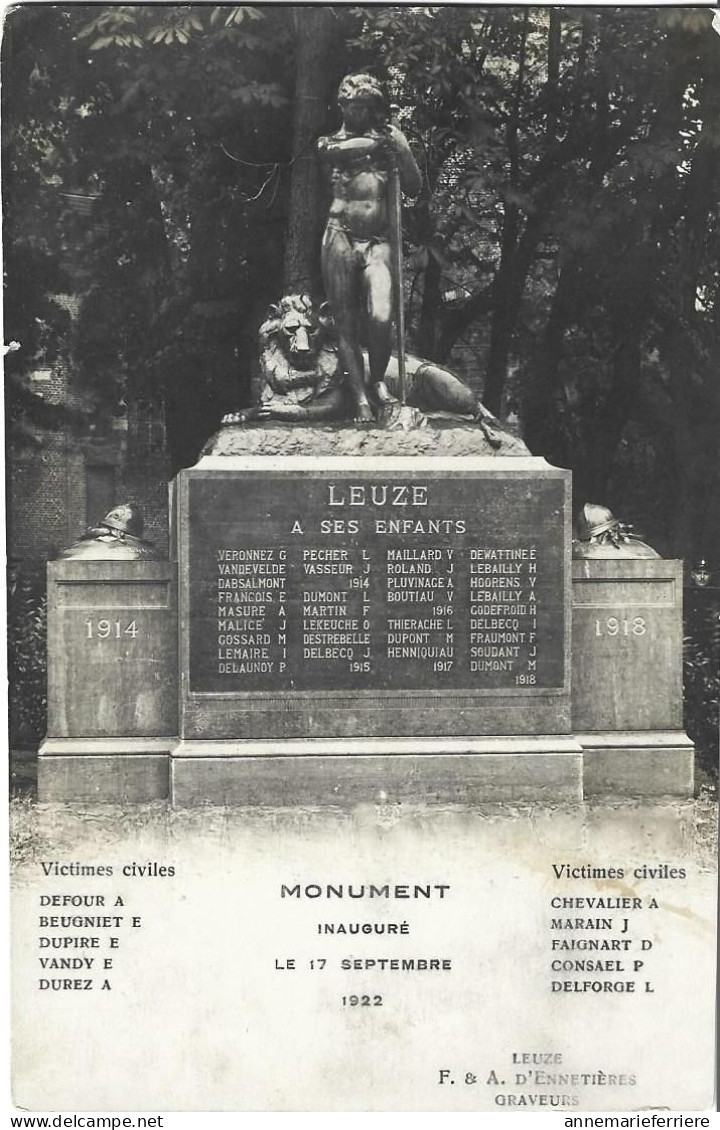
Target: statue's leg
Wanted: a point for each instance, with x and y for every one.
(441, 389)
(377, 280)
(340, 271)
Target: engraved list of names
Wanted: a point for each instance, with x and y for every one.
(307, 583)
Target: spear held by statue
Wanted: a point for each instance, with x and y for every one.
(396, 248)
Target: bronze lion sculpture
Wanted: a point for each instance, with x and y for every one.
(303, 380)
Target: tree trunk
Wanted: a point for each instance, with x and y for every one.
(315, 77)
(552, 88)
(507, 293)
(542, 427)
(515, 262)
(453, 323)
(694, 435)
(611, 421)
(429, 277)
(508, 288)
(427, 335)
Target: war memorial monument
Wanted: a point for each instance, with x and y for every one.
(373, 587)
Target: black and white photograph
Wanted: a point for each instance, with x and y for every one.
(362, 467)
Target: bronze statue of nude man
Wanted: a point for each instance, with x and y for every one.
(361, 160)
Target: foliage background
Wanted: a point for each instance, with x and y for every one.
(565, 243)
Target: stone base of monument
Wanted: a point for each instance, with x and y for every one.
(627, 644)
(627, 701)
(637, 763)
(112, 649)
(325, 596)
(539, 769)
(550, 770)
(112, 681)
(104, 770)
(356, 625)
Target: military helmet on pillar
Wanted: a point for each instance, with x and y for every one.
(126, 519)
(118, 537)
(599, 534)
(594, 520)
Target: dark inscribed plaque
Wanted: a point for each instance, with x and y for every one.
(359, 581)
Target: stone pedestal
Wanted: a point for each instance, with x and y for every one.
(357, 624)
(325, 597)
(112, 680)
(395, 771)
(627, 704)
(104, 770)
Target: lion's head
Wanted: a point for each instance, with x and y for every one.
(298, 328)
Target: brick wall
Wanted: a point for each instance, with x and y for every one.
(48, 489)
(46, 500)
(52, 486)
